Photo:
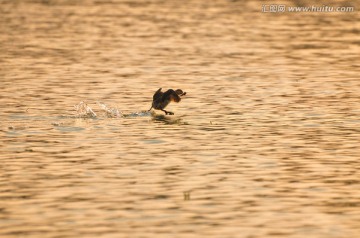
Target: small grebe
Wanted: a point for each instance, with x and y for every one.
(161, 100)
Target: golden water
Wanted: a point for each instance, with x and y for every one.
(264, 144)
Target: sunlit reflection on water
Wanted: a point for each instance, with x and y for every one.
(265, 143)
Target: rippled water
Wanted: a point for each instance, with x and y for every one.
(264, 144)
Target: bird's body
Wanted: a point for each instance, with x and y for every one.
(162, 99)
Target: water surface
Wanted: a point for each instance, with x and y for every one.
(264, 144)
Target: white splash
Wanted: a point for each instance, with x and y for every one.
(109, 111)
(83, 110)
(139, 114)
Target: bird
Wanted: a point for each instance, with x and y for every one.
(162, 99)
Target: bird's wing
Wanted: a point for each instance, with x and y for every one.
(157, 94)
(171, 95)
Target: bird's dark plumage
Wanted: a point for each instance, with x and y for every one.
(162, 99)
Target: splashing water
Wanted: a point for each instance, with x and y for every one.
(109, 111)
(83, 110)
(138, 114)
